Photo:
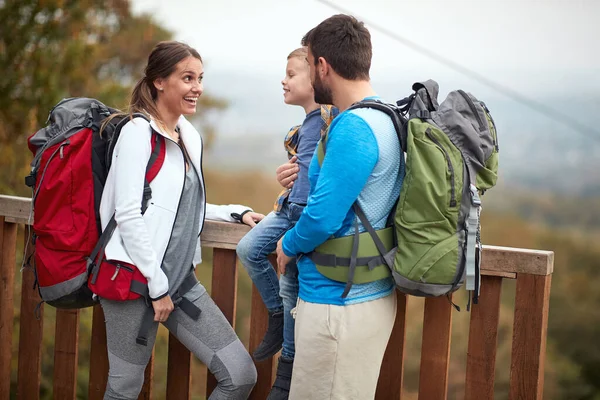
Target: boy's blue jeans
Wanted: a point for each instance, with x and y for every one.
(253, 250)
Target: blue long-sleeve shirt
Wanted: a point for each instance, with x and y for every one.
(363, 161)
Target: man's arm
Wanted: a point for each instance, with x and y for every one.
(352, 153)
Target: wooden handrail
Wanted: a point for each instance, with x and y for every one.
(496, 261)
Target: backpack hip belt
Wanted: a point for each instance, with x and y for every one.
(179, 301)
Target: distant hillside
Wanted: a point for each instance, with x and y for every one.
(536, 152)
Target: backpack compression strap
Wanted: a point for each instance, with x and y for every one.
(472, 267)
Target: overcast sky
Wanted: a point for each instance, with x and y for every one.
(543, 44)
(547, 50)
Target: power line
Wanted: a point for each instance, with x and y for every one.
(541, 108)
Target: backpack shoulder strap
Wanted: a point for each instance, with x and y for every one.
(392, 111)
(327, 116)
(155, 162)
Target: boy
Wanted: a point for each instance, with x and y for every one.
(280, 297)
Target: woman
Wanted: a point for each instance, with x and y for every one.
(163, 242)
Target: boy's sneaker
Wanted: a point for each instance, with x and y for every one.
(283, 380)
(273, 339)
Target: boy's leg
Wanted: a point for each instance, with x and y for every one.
(253, 250)
(340, 349)
(288, 290)
(288, 283)
(212, 339)
(127, 359)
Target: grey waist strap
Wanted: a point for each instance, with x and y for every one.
(189, 308)
(331, 260)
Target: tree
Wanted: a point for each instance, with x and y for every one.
(53, 49)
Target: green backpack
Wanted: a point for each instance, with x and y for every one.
(432, 242)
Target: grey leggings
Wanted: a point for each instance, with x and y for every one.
(211, 339)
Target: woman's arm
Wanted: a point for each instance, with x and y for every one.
(132, 153)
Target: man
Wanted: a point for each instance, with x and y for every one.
(341, 337)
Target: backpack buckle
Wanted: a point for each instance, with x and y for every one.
(30, 179)
(475, 200)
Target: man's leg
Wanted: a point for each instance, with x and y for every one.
(316, 351)
(339, 349)
(363, 338)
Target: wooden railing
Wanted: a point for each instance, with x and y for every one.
(532, 270)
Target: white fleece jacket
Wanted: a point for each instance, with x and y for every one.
(139, 239)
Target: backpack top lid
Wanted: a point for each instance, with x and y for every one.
(65, 118)
(468, 124)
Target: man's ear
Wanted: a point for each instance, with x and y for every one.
(323, 67)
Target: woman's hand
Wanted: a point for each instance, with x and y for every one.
(251, 218)
(162, 308)
(287, 173)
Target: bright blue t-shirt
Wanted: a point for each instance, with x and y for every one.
(363, 162)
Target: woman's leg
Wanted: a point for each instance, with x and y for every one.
(126, 358)
(212, 339)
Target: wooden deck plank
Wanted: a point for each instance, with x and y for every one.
(389, 386)
(435, 351)
(483, 338)
(224, 293)
(529, 337)
(8, 252)
(98, 356)
(66, 341)
(30, 332)
(179, 377)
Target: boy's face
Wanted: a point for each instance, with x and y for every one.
(297, 89)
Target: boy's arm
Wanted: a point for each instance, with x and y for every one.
(352, 153)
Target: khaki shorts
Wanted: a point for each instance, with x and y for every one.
(339, 349)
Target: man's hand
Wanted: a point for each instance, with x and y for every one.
(162, 308)
(251, 218)
(282, 259)
(287, 173)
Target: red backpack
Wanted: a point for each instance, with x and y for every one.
(69, 170)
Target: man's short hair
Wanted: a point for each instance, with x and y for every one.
(345, 43)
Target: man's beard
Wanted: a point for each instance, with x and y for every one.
(323, 94)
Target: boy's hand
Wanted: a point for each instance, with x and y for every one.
(287, 173)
